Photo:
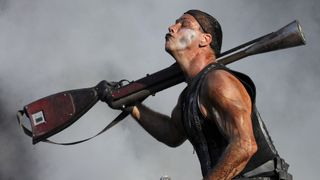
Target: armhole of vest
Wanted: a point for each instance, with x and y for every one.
(217, 66)
(246, 82)
(243, 78)
(199, 110)
(198, 96)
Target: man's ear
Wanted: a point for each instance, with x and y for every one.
(206, 39)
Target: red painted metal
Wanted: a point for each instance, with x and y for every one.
(56, 111)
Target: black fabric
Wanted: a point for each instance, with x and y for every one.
(119, 118)
(205, 136)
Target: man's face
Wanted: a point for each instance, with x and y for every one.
(182, 35)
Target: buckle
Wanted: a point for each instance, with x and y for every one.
(266, 168)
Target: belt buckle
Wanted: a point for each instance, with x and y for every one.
(267, 167)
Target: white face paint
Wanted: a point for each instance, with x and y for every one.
(188, 35)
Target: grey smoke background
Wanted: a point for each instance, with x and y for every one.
(51, 46)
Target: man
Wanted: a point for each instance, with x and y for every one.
(216, 112)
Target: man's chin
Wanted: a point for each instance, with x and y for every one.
(168, 50)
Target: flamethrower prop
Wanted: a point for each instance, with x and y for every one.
(53, 113)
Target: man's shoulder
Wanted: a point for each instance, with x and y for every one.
(221, 84)
(220, 78)
(229, 77)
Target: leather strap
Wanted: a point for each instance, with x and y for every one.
(120, 117)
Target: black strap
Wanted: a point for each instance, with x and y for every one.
(120, 117)
(20, 114)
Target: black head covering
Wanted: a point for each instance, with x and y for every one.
(211, 26)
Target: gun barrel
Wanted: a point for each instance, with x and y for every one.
(289, 36)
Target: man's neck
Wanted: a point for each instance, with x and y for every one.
(192, 63)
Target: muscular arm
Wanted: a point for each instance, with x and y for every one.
(225, 101)
(165, 129)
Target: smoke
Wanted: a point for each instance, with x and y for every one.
(15, 156)
(51, 46)
(288, 84)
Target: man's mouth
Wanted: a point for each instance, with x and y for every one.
(168, 36)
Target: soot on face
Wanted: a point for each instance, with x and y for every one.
(186, 39)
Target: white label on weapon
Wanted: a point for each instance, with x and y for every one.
(38, 118)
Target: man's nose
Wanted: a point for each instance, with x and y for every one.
(173, 28)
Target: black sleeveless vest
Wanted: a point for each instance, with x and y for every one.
(205, 136)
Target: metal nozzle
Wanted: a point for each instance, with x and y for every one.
(165, 178)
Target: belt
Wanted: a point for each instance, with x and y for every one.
(275, 168)
(257, 178)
